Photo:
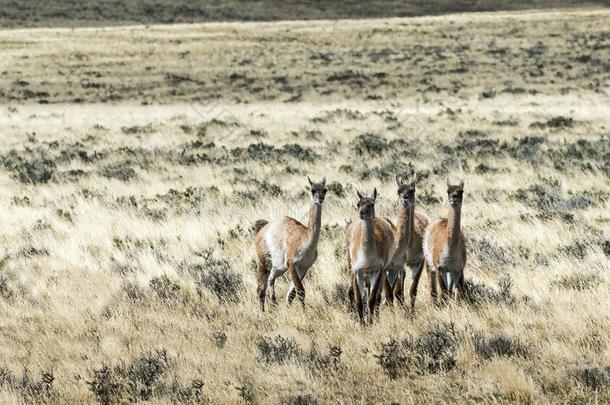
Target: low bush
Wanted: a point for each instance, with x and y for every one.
(131, 382)
(499, 345)
(216, 276)
(277, 350)
(432, 352)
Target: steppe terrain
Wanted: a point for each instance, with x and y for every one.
(136, 159)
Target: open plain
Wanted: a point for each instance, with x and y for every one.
(135, 160)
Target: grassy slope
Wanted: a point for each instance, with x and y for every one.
(121, 221)
(71, 13)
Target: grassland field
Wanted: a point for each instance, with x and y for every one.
(134, 161)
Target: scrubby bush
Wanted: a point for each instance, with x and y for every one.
(322, 362)
(269, 153)
(476, 293)
(219, 338)
(336, 188)
(5, 290)
(429, 353)
(370, 144)
(31, 166)
(577, 249)
(216, 276)
(487, 252)
(121, 171)
(165, 288)
(595, 378)
(498, 345)
(137, 129)
(32, 390)
(550, 201)
(188, 394)
(132, 382)
(578, 281)
(555, 123)
(277, 350)
(299, 399)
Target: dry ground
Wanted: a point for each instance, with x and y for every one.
(129, 192)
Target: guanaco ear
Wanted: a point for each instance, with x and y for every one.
(310, 182)
(462, 184)
(398, 183)
(447, 180)
(360, 196)
(414, 180)
(324, 180)
(374, 193)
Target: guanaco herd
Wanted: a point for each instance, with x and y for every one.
(377, 250)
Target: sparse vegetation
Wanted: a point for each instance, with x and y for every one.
(134, 162)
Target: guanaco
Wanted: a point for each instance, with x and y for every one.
(370, 242)
(444, 247)
(290, 246)
(408, 250)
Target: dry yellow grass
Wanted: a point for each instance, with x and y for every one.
(119, 218)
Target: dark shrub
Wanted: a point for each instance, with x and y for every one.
(120, 171)
(246, 393)
(526, 148)
(387, 171)
(266, 153)
(5, 290)
(427, 197)
(31, 166)
(435, 349)
(370, 144)
(499, 345)
(7, 379)
(299, 152)
(190, 394)
(216, 276)
(299, 399)
(31, 390)
(393, 358)
(548, 198)
(137, 129)
(432, 352)
(220, 338)
(321, 362)
(131, 382)
(165, 288)
(506, 123)
(488, 252)
(595, 378)
(577, 249)
(277, 350)
(578, 281)
(555, 123)
(479, 293)
(37, 389)
(482, 168)
(132, 292)
(336, 188)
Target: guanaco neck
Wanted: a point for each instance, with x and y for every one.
(368, 237)
(453, 227)
(404, 228)
(313, 226)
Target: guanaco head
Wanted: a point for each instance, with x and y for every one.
(455, 193)
(318, 190)
(406, 191)
(366, 205)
